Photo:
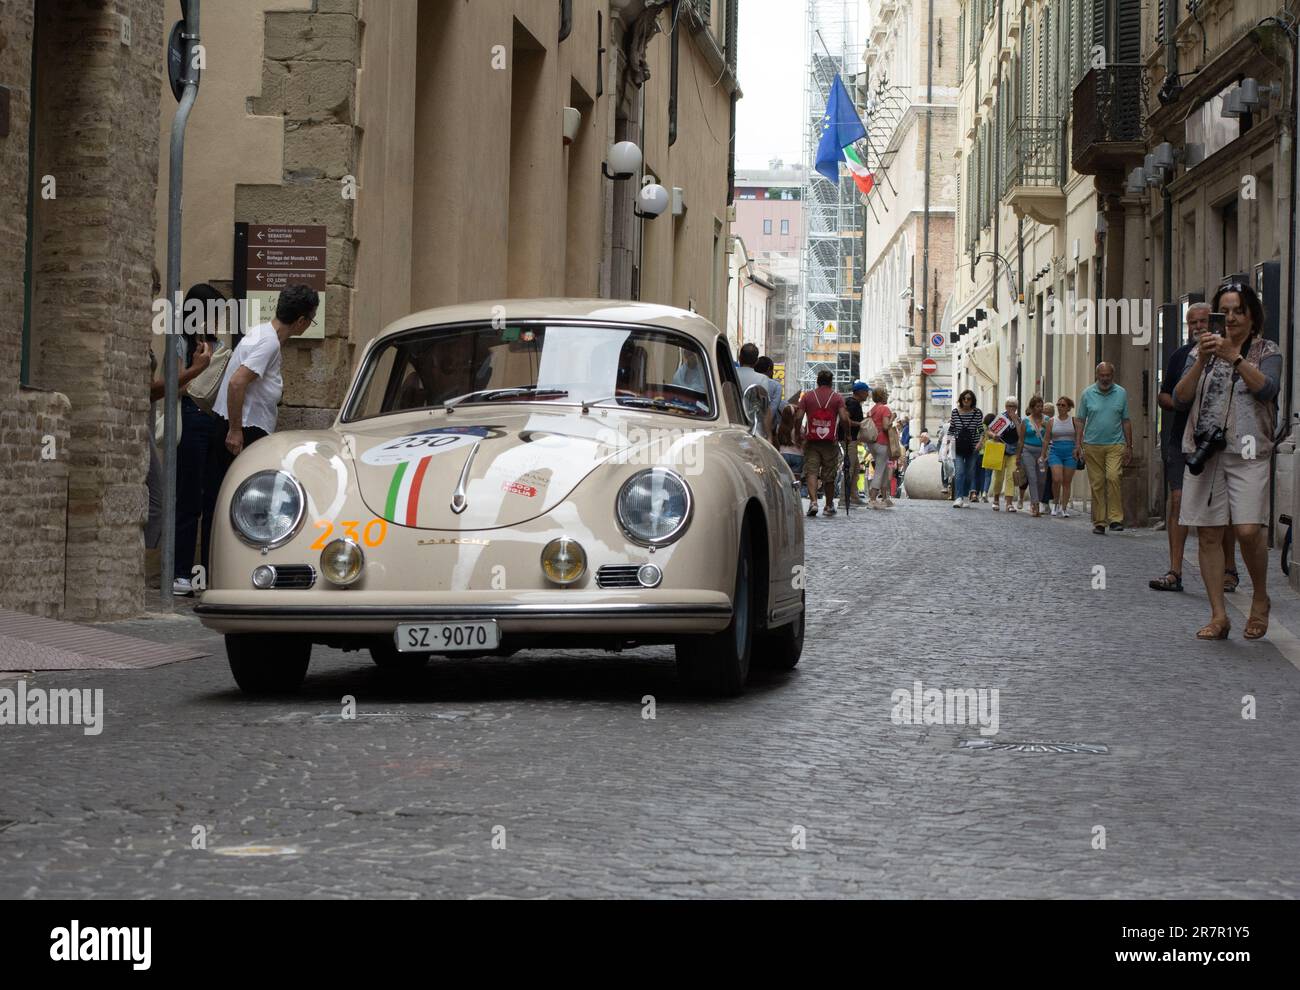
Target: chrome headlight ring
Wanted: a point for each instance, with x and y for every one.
(676, 533)
(293, 528)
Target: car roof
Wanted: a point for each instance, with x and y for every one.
(605, 310)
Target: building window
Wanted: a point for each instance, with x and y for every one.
(767, 226)
(785, 228)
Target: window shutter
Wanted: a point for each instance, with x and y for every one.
(1027, 72)
(1128, 31)
(1160, 19)
(1044, 68)
(961, 39)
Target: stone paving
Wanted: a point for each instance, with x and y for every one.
(803, 787)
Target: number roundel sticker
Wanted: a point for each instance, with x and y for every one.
(417, 446)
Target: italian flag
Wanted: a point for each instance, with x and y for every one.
(403, 504)
(861, 175)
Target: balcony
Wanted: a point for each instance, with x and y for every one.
(1109, 110)
(1035, 169)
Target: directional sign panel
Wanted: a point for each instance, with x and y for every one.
(280, 255)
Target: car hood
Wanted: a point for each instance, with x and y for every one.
(485, 469)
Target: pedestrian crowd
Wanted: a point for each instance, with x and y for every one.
(229, 399)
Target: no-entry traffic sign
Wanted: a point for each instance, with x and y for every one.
(929, 366)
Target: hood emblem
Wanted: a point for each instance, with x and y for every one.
(457, 542)
(459, 501)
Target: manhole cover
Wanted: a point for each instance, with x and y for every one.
(256, 851)
(988, 745)
(395, 716)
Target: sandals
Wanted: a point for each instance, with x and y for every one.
(812, 512)
(1230, 581)
(1215, 630)
(1257, 624)
(1010, 507)
(1172, 581)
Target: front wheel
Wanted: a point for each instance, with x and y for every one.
(265, 665)
(718, 664)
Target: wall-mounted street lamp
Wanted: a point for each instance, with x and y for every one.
(653, 199)
(622, 162)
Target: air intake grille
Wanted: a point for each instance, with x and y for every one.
(294, 576)
(618, 576)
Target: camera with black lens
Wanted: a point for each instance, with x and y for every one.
(1207, 444)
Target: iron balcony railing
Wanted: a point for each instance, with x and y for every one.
(1035, 153)
(1109, 108)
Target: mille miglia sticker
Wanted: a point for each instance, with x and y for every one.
(417, 446)
(515, 488)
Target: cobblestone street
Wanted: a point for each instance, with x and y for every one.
(551, 756)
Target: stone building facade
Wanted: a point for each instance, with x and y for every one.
(448, 119)
(78, 178)
(895, 317)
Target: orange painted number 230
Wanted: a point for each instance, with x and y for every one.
(372, 535)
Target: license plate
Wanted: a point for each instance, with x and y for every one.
(448, 637)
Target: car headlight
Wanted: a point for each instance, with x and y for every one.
(654, 506)
(341, 561)
(268, 508)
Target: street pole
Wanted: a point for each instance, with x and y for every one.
(925, 236)
(175, 349)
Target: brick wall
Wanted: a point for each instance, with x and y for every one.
(33, 490)
(73, 524)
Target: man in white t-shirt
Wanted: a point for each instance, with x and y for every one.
(247, 403)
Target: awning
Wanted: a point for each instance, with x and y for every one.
(984, 360)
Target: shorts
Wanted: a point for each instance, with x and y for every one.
(821, 458)
(1061, 454)
(1175, 467)
(796, 463)
(1230, 489)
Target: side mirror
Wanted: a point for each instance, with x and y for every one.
(754, 404)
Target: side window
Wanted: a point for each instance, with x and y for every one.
(730, 382)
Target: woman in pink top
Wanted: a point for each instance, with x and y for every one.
(883, 417)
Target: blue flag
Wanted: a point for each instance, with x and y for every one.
(841, 127)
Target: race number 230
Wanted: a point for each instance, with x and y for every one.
(372, 534)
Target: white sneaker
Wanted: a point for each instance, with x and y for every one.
(957, 503)
(1065, 514)
(182, 587)
(1056, 510)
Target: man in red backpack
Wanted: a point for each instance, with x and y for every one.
(823, 410)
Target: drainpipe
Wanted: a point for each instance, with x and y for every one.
(175, 350)
(997, 157)
(925, 236)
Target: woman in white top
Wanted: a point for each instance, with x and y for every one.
(1059, 454)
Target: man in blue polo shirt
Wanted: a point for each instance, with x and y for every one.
(1107, 445)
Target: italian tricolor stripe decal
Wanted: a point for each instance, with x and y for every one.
(403, 504)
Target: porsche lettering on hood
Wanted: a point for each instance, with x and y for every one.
(519, 466)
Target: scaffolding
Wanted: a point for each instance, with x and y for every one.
(830, 275)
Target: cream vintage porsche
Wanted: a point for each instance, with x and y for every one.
(545, 474)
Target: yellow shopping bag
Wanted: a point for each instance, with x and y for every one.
(994, 454)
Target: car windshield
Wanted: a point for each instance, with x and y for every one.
(635, 367)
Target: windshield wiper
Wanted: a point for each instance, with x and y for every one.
(488, 394)
(642, 402)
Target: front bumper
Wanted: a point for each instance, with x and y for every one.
(537, 613)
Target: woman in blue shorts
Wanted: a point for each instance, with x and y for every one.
(1063, 454)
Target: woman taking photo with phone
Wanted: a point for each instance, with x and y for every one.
(1230, 385)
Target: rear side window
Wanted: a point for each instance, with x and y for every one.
(730, 381)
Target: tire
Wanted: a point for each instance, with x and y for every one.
(718, 664)
(268, 664)
(390, 660)
(780, 648)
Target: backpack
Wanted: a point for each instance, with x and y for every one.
(822, 420)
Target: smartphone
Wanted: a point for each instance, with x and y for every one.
(1219, 323)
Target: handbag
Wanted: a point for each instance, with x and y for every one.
(994, 452)
(1022, 476)
(160, 422)
(207, 384)
(868, 430)
(895, 444)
